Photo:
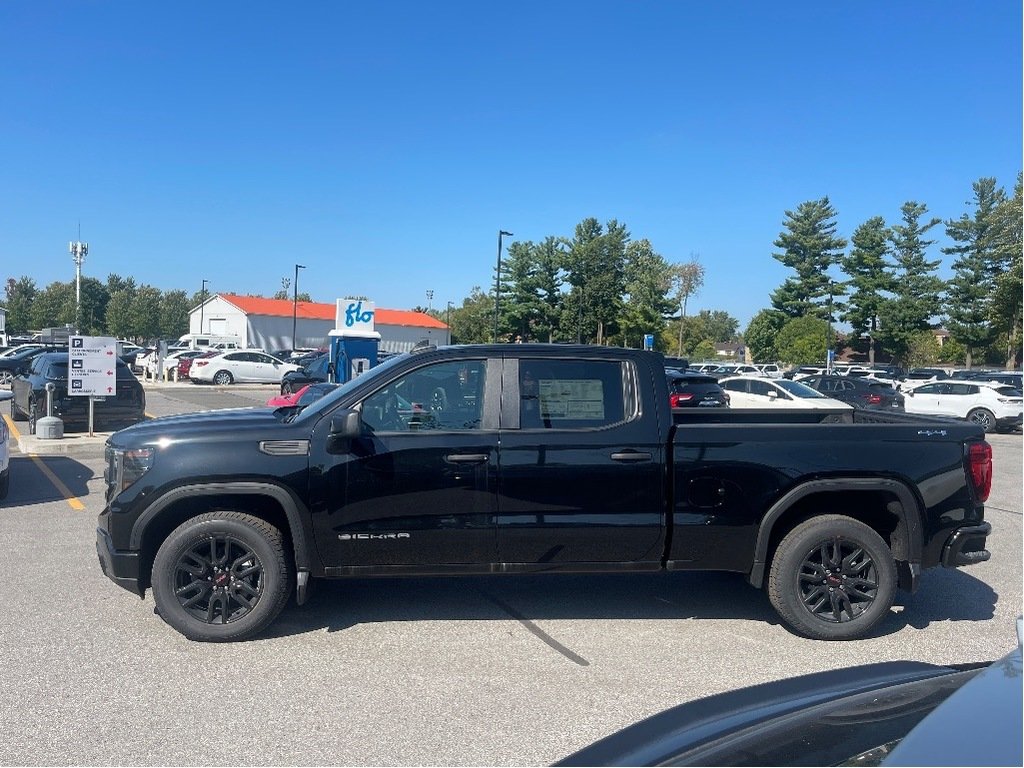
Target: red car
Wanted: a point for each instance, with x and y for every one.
(185, 363)
(289, 399)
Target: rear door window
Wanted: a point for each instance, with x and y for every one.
(574, 394)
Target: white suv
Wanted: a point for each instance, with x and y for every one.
(993, 407)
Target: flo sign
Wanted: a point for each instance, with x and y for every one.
(92, 365)
(354, 316)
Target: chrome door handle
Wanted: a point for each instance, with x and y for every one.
(631, 456)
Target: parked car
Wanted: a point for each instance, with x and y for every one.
(770, 370)
(795, 374)
(925, 374)
(243, 365)
(993, 407)
(886, 713)
(734, 369)
(170, 361)
(313, 372)
(302, 397)
(678, 363)
(1008, 378)
(127, 405)
(752, 392)
(5, 450)
(19, 361)
(185, 362)
(858, 392)
(693, 390)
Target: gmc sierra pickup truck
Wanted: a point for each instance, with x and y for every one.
(534, 458)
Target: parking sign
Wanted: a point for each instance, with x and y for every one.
(92, 365)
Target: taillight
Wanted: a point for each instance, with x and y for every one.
(201, 363)
(979, 464)
(676, 400)
(874, 399)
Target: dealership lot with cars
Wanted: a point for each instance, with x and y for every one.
(479, 670)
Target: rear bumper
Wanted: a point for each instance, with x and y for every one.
(967, 546)
(122, 568)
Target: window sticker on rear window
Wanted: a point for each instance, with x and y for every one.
(572, 398)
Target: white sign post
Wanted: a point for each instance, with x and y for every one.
(92, 369)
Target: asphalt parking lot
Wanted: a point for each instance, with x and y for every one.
(477, 671)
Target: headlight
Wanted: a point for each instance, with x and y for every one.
(125, 467)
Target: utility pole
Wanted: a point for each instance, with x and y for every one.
(202, 304)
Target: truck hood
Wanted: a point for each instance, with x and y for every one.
(198, 426)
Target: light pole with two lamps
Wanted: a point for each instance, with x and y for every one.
(497, 284)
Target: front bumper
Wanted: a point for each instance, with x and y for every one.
(967, 546)
(122, 568)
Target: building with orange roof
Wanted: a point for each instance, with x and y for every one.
(267, 323)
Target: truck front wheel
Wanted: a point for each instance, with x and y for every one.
(221, 576)
(832, 578)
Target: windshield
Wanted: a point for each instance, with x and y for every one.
(797, 389)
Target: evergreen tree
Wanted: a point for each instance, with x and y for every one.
(810, 247)
(173, 314)
(916, 288)
(977, 261)
(595, 268)
(1008, 294)
(869, 279)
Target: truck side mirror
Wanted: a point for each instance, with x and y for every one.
(346, 423)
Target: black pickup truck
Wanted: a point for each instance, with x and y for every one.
(534, 458)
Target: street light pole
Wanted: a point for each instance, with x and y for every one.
(295, 302)
(448, 321)
(497, 284)
(202, 304)
(78, 253)
(828, 335)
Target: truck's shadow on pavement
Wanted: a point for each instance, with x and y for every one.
(338, 605)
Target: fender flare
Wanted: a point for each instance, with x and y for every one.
(295, 512)
(909, 513)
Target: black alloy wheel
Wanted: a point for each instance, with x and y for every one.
(219, 580)
(221, 576)
(838, 580)
(832, 578)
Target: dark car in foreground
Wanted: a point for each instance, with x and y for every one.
(892, 713)
(125, 406)
(858, 392)
(693, 390)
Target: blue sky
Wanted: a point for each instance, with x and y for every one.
(384, 144)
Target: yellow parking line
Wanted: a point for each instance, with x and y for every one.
(73, 501)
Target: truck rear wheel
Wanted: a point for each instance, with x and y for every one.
(221, 576)
(832, 578)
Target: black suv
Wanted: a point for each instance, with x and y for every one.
(693, 390)
(858, 392)
(126, 406)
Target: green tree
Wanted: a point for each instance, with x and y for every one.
(687, 280)
(286, 294)
(810, 247)
(92, 320)
(119, 313)
(648, 279)
(802, 341)
(595, 268)
(145, 313)
(20, 295)
(977, 262)
(1008, 292)
(923, 349)
(761, 335)
(916, 288)
(173, 314)
(703, 350)
(531, 290)
(473, 322)
(117, 283)
(869, 279)
(54, 306)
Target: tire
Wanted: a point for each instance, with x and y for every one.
(833, 553)
(286, 388)
(5, 482)
(221, 576)
(223, 377)
(6, 377)
(984, 418)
